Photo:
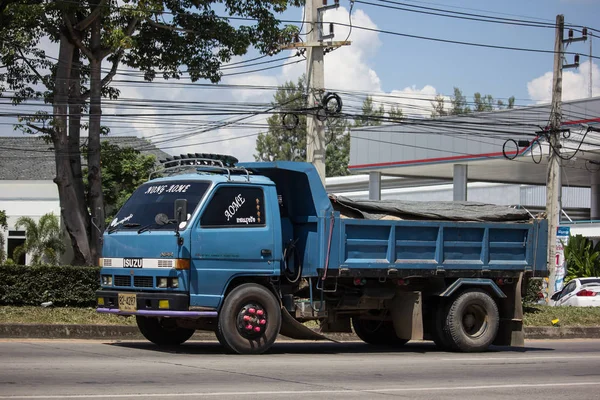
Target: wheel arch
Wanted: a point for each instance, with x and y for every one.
(243, 279)
(462, 284)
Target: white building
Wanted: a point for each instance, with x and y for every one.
(27, 170)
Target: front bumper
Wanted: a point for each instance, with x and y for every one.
(147, 304)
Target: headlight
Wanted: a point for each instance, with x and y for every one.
(161, 282)
(174, 283)
(107, 280)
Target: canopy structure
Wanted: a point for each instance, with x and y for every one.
(506, 146)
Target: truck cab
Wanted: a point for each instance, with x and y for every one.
(184, 240)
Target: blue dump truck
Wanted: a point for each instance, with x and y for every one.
(254, 250)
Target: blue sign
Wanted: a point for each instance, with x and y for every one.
(563, 231)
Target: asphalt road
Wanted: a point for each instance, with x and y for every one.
(62, 369)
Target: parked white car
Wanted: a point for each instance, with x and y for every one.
(579, 292)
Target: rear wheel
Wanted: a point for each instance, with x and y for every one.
(249, 320)
(441, 340)
(377, 332)
(163, 331)
(472, 321)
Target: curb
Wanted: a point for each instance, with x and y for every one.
(121, 332)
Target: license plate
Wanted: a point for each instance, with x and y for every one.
(132, 263)
(127, 302)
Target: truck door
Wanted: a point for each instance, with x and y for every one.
(234, 237)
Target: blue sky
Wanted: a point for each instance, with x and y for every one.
(404, 62)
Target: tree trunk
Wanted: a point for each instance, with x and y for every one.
(96, 199)
(75, 108)
(70, 211)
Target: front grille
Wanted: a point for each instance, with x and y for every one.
(107, 262)
(143, 281)
(122, 280)
(165, 263)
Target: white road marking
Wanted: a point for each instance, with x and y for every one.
(303, 392)
(524, 358)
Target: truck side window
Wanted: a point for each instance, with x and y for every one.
(235, 206)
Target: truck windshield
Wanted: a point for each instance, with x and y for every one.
(151, 199)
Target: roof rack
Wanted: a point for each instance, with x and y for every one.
(214, 163)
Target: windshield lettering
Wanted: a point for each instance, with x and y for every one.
(116, 222)
(160, 189)
(234, 207)
(249, 220)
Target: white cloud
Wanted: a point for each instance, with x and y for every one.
(347, 68)
(575, 84)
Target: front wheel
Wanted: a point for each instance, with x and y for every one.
(249, 320)
(163, 331)
(472, 321)
(376, 332)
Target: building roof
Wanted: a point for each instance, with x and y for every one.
(32, 158)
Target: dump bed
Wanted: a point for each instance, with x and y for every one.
(405, 248)
(339, 236)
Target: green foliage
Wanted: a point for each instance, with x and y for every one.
(534, 287)
(123, 170)
(370, 116)
(459, 104)
(3, 227)
(395, 113)
(582, 258)
(63, 285)
(43, 241)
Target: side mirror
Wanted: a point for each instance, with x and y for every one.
(181, 210)
(161, 219)
(555, 296)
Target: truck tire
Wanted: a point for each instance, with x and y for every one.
(441, 340)
(472, 321)
(250, 320)
(379, 333)
(163, 331)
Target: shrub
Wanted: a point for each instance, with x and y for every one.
(582, 257)
(63, 285)
(534, 287)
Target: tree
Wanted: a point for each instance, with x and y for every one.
(370, 116)
(123, 171)
(43, 240)
(485, 103)
(89, 32)
(289, 143)
(459, 105)
(438, 107)
(395, 114)
(3, 228)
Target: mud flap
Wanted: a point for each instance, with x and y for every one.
(510, 332)
(295, 330)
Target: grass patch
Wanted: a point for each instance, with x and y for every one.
(540, 315)
(59, 315)
(535, 315)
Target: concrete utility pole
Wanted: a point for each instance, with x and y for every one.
(553, 187)
(315, 74)
(316, 43)
(553, 183)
